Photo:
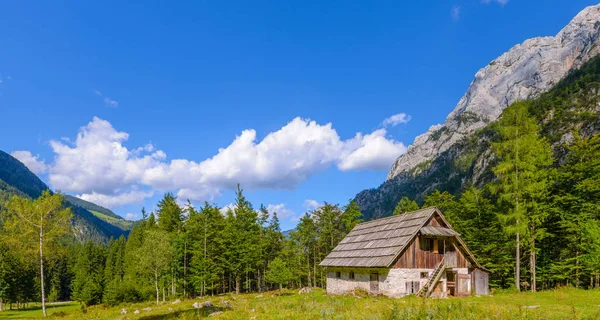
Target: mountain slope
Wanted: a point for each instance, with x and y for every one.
(572, 104)
(92, 207)
(522, 73)
(16, 179)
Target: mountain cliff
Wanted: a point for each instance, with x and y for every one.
(558, 76)
(522, 73)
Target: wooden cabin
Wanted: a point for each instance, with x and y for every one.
(413, 253)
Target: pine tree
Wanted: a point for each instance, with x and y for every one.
(306, 237)
(351, 217)
(170, 215)
(405, 205)
(205, 232)
(523, 181)
(577, 203)
(278, 272)
(88, 285)
(241, 236)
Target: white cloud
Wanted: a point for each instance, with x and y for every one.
(501, 2)
(311, 204)
(455, 13)
(30, 161)
(396, 119)
(226, 208)
(97, 165)
(132, 216)
(372, 151)
(108, 102)
(281, 210)
(118, 199)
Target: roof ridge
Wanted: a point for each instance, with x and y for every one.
(396, 216)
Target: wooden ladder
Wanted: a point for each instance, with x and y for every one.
(426, 290)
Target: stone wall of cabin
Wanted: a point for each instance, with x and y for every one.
(392, 282)
(342, 285)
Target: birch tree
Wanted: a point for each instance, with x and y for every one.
(34, 226)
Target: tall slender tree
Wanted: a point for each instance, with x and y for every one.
(523, 181)
(36, 226)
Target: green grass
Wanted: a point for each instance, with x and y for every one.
(564, 303)
(34, 310)
(123, 224)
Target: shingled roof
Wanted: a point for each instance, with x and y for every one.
(378, 243)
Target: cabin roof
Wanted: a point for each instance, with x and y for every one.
(377, 243)
(438, 231)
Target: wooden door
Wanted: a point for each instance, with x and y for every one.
(462, 284)
(374, 283)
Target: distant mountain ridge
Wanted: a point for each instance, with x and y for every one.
(17, 179)
(92, 207)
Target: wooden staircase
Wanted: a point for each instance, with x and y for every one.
(427, 289)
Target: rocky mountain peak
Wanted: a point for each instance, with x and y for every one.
(523, 72)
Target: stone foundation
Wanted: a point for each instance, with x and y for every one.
(392, 282)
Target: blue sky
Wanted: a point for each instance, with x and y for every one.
(155, 89)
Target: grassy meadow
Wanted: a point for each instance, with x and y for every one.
(566, 303)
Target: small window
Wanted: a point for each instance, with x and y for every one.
(424, 275)
(338, 275)
(351, 275)
(427, 244)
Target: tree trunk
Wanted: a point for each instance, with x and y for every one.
(42, 268)
(156, 284)
(185, 267)
(315, 264)
(237, 285)
(532, 263)
(517, 264)
(280, 287)
(308, 263)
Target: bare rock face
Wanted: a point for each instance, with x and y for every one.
(522, 73)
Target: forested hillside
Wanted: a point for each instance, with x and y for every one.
(16, 179)
(92, 207)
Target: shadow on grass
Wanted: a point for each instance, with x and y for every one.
(56, 310)
(198, 313)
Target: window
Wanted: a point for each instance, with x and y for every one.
(424, 275)
(338, 275)
(427, 244)
(433, 245)
(351, 275)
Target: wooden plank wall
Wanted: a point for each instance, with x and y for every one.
(414, 257)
